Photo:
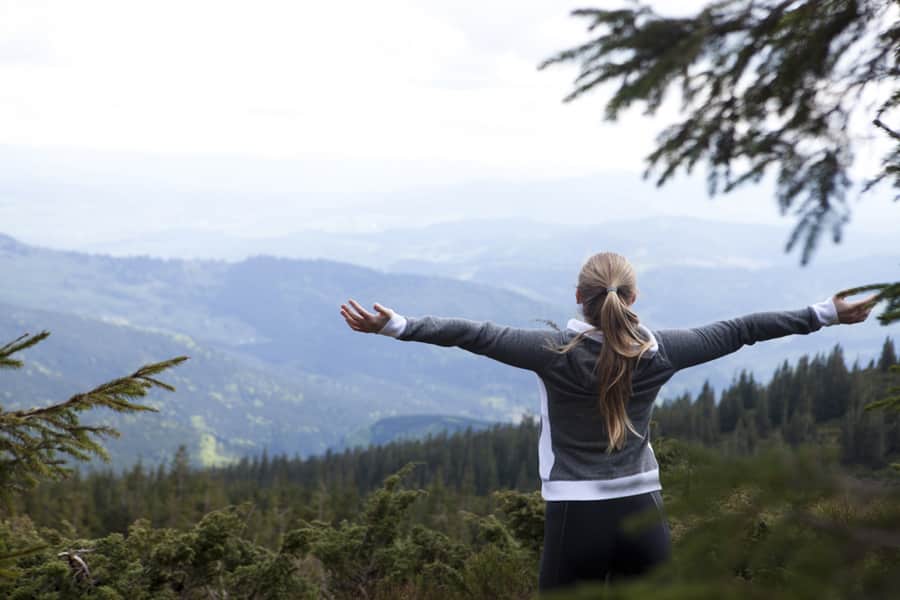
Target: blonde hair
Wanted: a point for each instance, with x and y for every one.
(623, 344)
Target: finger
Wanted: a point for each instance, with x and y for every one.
(351, 316)
(354, 325)
(350, 311)
(366, 314)
(385, 311)
(356, 322)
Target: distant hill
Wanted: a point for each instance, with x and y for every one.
(279, 311)
(274, 366)
(409, 427)
(483, 248)
(690, 270)
(223, 408)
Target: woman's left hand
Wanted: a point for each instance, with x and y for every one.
(359, 319)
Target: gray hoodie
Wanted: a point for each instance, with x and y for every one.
(572, 458)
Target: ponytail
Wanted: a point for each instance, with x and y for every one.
(606, 280)
(615, 365)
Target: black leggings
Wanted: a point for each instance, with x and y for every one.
(584, 539)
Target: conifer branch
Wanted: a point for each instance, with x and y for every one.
(766, 85)
(34, 441)
(22, 342)
(890, 132)
(892, 400)
(112, 394)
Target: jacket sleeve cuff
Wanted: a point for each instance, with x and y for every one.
(395, 326)
(826, 312)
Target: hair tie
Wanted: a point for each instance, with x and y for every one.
(598, 294)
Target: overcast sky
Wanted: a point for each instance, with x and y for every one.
(247, 116)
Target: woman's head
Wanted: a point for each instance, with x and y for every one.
(607, 286)
(600, 272)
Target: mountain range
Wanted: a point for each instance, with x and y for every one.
(274, 366)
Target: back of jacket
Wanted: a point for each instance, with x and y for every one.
(572, 459)
(573, 462)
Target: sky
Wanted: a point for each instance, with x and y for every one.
(120, 118)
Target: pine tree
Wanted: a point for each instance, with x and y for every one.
(892, 400)
(708, 414)
(863, 432)
(802, 382)
(889, 365)
(888, 356)
(730, 409)
(778, 393)
(835, 387)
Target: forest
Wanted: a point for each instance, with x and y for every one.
(784, 489)
(780, 489)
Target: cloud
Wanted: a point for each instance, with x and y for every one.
(391, 80)
(358, 99)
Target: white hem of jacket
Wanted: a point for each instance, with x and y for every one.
(601, 489)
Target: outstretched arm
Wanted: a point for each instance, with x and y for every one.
(688, 347)
(523, 348)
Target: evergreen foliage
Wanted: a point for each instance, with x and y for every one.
(765, 85)
(458, 516)
(459, 472)
(816, 400)
(783, 523)
(33, 442)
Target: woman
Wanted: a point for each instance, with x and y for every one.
(598, 380)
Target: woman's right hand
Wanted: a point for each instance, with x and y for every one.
(359, 319)
(854, 312)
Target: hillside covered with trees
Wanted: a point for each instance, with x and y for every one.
(817, 400)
